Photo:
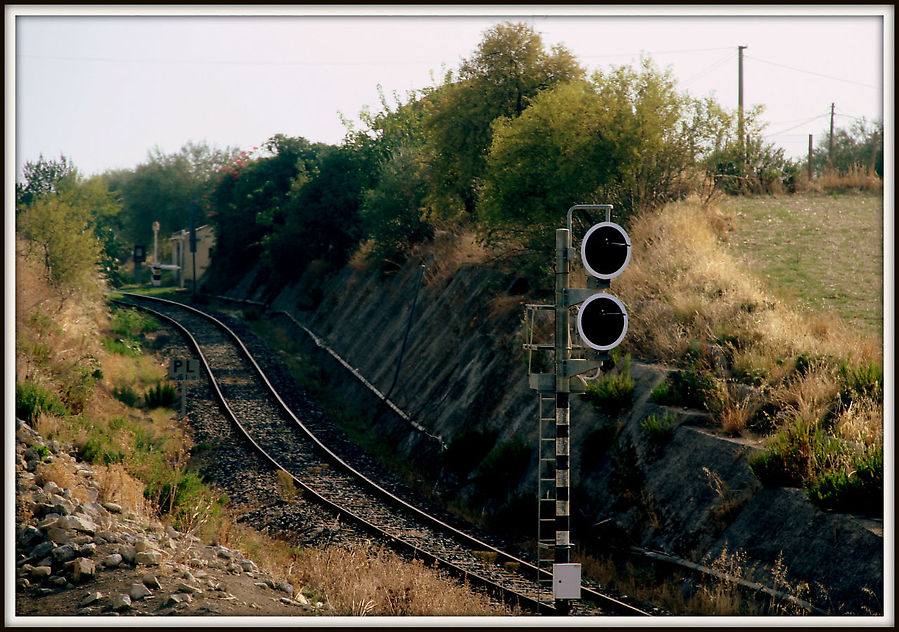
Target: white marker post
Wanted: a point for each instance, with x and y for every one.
(182, 370)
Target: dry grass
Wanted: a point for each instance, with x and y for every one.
(377, 582)
(448, 251)
(684, 286)
(858, 177)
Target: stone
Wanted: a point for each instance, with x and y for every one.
(108, 536)
(261, 585)
(172, 532)
(187, 575)
(62, 505)
(138, 592)
(150, 581)
(51, 488)
(91, 598)
(58, 581)
(83, 569)
(247, 565)
(22, 583)
(185, 587)
(224, 553)
(301, 598)
(42, 509)
(60, 536)
(77, 522)
(112, 507)
(148, 557)
(41, 572)
(120, 601)
(64, 553)
(87, 549)
(48, 521)
(128, 553)
(285, 587)
(290, 602)
(178, 597)
(29, 536)
(112, 560)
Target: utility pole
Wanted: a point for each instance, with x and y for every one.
(740, 105)
(830, 141)
(810, 171)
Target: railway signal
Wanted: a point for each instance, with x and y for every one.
(601, 325)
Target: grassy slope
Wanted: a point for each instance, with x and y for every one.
(825, 251)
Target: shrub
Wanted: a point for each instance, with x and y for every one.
(659, 430)
(125, 394)
(131, 323)
(612, 392)
(859, 490)
(686, 388)
(160, 396)
(33, 399)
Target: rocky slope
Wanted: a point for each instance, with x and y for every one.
(78, 556)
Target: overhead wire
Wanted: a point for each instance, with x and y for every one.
(810, 72)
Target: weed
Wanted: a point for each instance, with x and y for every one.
(858, 490)
(125, 394)
(130, 323)
(687, 388)
(33, 399)
(468, 448)
(502, 469)
(659, 430)
(122, 346)
(612, 392)
(162, 395)
(287, 490)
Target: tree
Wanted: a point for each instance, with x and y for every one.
(508, 68)
(322, 221)
(858, 146)
(64, 222)
(162, 188)
(394, 212)
(42, 178)
(248, 204)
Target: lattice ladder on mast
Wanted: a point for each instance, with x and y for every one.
(546, 461)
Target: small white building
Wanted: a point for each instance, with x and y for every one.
(184, 259)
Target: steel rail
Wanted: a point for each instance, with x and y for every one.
(601, 599)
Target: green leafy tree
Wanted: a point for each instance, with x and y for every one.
(162, 188)
(248, 204)
(42, 178)
(859, 145)
(322, 220)
(65, 224)
(509, 67)
(394, 213)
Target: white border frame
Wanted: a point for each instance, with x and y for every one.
(580, 328)
(627, 260)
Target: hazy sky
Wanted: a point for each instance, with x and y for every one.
(104, 89)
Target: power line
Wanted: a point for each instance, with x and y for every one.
(227, 62)
(809, 72)
(656, 52)
(709, 68)
(799, 125)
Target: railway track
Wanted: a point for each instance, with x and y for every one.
(280, 435)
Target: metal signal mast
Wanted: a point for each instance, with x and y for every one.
(601, 325)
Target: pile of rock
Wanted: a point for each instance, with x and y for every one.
(79, 555)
